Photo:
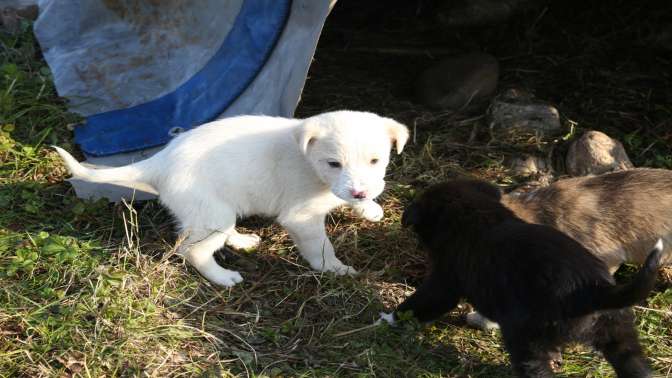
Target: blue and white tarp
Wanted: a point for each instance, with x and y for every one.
(141, 71)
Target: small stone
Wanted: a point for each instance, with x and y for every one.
(29, 12)
(10, 21)
(477, 12)
(528, 165)
(13, 13)
(456, 82)
(662, 38)
(519, 111)
(596, 153)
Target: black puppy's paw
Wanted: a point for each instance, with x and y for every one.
(479, 321)
(555, 361)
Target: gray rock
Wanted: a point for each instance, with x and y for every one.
(29, 12)
(11, 16)
(10, 21)
(528, 165)
(663, 39)
(537, 170)
(516, 110)
(478, 12)
(540, 180)
(596, 153)
(456, 82)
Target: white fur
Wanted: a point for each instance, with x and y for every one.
(386, 317)
(659, 245)
(267, 166)
(479, 321)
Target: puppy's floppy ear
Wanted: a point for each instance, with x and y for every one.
(411, 215)
(306, 134)
(398, 134)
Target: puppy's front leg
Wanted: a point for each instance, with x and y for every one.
(368, 210)
(432, 299)
(310, 237)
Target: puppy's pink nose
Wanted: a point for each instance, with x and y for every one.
(359, 194)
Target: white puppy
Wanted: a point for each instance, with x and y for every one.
(296, 170)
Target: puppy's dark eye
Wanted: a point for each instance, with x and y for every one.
(334, 164)
(374, 161)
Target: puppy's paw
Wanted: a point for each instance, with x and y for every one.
(556, 361)
(370, 211)
(226, 278)
(243, 241)
(387, 318)
(479, 321)
(337, 267)
(342, 270)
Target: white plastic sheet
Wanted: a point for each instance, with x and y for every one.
(113, 54)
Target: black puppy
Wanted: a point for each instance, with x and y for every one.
(541, 286)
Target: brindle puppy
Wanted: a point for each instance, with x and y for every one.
(617, 216)
(542, 287)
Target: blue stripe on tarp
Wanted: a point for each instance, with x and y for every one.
(202, 98)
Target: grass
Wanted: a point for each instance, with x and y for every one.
(94, 289)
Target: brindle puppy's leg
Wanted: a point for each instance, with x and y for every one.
(529, 357)
(616, 337)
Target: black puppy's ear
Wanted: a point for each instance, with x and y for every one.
(488, 189)
(411, 215)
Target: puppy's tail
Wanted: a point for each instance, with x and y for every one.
(624, 295)
(132, 173)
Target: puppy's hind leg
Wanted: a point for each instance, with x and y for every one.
(206, 233)
(209, 225)
(616, 337)
(200, 255)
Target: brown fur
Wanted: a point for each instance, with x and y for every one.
(617, 216)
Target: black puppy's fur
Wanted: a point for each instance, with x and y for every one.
(541, 286)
